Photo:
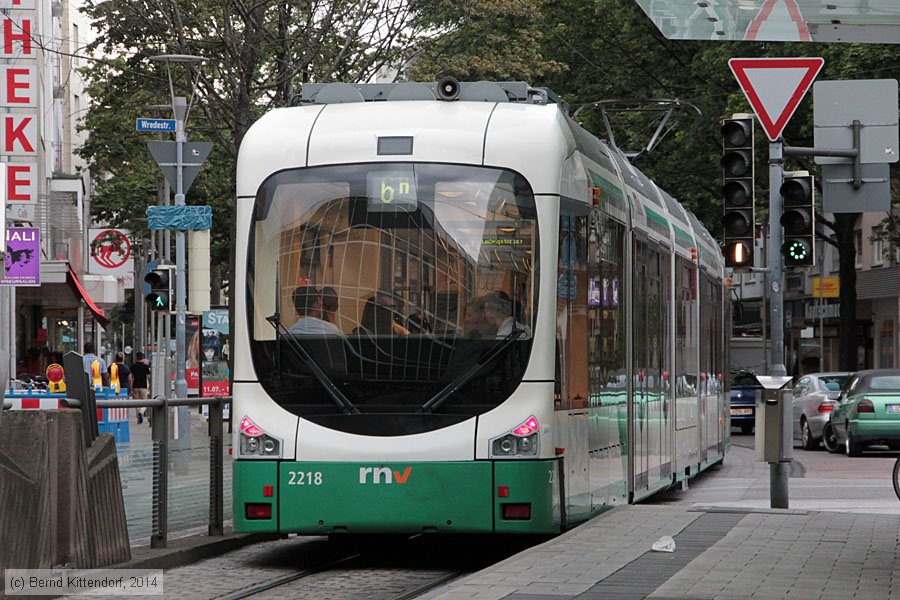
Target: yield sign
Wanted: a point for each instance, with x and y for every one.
(774, 87)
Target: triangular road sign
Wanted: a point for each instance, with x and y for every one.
(774, 87)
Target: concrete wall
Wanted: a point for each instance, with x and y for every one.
(60, 503)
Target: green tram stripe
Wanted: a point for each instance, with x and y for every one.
(656, 221)
(612, 193)
(683, 237)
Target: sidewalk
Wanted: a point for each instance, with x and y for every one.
(838, 541)
(720, 553)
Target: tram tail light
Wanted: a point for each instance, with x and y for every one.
(256, 442)
(516, 512)
(255, 511)
(522, 440)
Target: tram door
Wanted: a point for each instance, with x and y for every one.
(650, 358)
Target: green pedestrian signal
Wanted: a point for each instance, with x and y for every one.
(159, 298)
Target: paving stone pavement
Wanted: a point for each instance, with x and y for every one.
(764, 554)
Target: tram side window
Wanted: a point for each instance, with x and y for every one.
(571, 306)
(612, 321)
(686, 340)
(707, 334)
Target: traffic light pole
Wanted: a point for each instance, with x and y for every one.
(776, 287)
(778, 471)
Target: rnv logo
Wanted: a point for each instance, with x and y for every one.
(383, 475)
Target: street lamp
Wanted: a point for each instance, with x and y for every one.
(181, 109)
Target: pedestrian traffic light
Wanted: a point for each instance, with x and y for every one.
(739, 220)
(798, 220)
(159, 297)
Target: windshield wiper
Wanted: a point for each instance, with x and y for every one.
(450, 388)
(337, 395)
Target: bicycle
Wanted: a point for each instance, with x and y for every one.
(896, 477)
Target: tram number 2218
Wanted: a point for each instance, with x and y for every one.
(305, 478)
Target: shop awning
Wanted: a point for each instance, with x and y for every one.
(82, 294)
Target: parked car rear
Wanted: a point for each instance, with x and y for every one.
(744, 387)
(814, 398)
(867, 413)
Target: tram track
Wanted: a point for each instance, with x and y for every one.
(259, 588)
(360, 568)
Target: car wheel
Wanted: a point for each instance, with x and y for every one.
(807, 440)
(746, 429)
(853, 448)
(830, 440)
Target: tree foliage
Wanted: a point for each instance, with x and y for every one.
(260, 51)
(257, 54)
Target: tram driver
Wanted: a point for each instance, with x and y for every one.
(308, 304)
(491, 315)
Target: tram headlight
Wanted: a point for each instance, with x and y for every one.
(257, 443)
(520, 441)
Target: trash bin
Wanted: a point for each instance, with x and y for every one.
(774, 420)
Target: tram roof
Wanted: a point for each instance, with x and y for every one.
(857, 21)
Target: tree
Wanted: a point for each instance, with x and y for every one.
(257, 54)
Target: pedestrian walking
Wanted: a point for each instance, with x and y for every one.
(140, 373)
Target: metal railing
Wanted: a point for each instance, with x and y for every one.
(159, 426)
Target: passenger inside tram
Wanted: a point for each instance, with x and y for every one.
(379, 316)
(308, 304)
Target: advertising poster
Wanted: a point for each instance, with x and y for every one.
(192, 371)
(23, 257)
(215, 350)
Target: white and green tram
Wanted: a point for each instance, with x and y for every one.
(457, 311)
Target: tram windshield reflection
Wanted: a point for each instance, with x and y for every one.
(395, 278)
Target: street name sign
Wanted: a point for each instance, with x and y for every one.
(155, 125)
(774, 87)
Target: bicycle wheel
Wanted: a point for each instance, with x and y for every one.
(896, 477)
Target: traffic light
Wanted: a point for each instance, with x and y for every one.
(160, 281)
(739, 219)
(799, 220)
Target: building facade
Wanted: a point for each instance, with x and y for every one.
(48, 186)
(811, 321)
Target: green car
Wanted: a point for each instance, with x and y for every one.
(867, 412)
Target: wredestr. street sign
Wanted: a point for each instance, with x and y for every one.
(155, 125)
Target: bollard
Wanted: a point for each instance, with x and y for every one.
(159, 427)
(216, 470)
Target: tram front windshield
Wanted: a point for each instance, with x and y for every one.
(395, 289)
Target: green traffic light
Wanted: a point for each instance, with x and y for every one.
(796, 251)
(159, 302)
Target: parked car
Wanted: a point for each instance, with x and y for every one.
(867, 412)
(814, 399)
(744, 387)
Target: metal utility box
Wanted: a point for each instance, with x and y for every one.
(774, 420)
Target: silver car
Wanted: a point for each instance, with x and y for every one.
(814, 400)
